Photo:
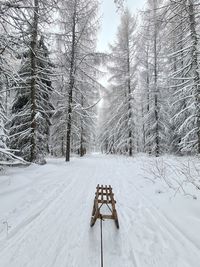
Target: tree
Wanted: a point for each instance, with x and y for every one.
(184, 75)
(77, 40)
(153, 74)
(120, 122)
(7, 72)
(28, 133)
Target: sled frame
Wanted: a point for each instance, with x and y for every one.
(104, 196)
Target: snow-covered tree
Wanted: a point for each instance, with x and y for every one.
(8, 40)
(153, 71)
(21, 128)
(184, 77)
(31, 109)
(118, 131)
(79, 24)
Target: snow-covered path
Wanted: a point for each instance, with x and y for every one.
(48, 209)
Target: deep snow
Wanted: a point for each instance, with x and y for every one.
(45, 213)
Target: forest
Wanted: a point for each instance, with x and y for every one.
(125, 118)
(50, 80)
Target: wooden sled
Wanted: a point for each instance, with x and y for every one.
(104, 196)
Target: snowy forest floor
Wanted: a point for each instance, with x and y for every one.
(45, 213)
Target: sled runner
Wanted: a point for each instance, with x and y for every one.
(104, 196)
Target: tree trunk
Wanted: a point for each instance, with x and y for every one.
(195, 68)
(156, 111)
(33, 52)
(71, 86)
(82, 150)
(130, 147)
(148, 95)
(143, 130)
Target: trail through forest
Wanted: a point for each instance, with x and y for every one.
(45, 213)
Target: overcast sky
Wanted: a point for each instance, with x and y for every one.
(110, 21)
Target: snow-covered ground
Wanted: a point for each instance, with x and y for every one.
(45, 213)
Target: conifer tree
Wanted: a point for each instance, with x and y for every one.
(120, 122)
(184, 78)
(153, 76)
(79, 23)
(23, 132)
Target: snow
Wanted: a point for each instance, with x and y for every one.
(45, 214)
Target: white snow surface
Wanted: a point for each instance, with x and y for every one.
(45, 214)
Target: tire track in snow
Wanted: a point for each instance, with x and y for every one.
(57, 228)
(60, 236)
(168, 228)
(28, 223)
(145, 234)
(112, 170)
(62, 247)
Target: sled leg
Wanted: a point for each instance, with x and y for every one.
(116, 219)
(95, 213)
